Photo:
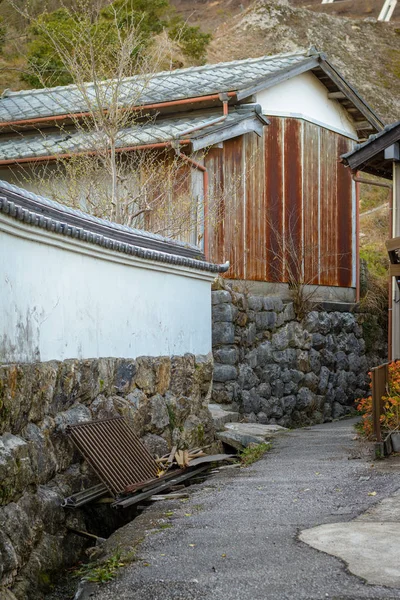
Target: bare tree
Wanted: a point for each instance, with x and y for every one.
(299, 264)
(147, 188)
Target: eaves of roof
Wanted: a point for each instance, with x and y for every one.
(369, 156)
(196, 130)
(37, 211)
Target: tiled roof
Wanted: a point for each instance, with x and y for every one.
(34, 210)
(139, 91)
(26, 146)
(372, 138)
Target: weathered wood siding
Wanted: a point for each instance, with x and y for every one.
(285, 203)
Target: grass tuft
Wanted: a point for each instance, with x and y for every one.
(251, 454)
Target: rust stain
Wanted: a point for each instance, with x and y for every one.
(344, 220)
(274, 199)
(293, 192)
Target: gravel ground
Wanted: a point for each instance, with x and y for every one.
(236, 537)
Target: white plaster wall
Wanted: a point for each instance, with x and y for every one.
(87, 302)
(305, 96)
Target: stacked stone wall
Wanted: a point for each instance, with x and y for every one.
(275, 369)
(165, 399)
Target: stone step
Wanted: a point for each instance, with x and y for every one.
(241, 435)
(222, 414)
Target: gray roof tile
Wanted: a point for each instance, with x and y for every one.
(163, 130)
(161, 87)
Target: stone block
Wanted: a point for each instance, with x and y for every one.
(337, 410)
(287, 359)
(255, 303)
(222, 312)
(264, 353)
(311, 380)
(226, 356)
(265, 320)
(251, 358)
(273, 303)
(323, 380)
(315, 361)
(324, 323)
(303, 361)
(155, 444)
(223, 333)
(318, 341)
(220, 297)
(247, 378)
(16, 472)
(305, 399)
(264, 390)
(311, 322)
(289, 403)
(342, 362)
(224, 373)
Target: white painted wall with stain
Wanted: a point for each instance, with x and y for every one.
(306, 97)
(63, 298)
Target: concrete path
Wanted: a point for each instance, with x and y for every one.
(237, 536)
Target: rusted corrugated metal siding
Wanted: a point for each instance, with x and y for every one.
(292, 208)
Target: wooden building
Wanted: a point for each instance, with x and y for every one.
(260, 137)
(380, 156)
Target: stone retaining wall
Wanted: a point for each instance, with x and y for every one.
(275, 369)
(166, 400)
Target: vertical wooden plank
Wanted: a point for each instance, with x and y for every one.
(255, 242)
(344, 218)
(213, 162)
(328, 209)
(311, 190)
(293, 190)
(273, 157)
(233, 190)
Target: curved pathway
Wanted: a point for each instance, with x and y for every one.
(237, 536)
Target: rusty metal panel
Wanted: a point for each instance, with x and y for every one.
(234, 206)
(114, 452)
(328, 209)
(213, 161)
(311, 191)
(255, 224)
(293, 197)
(273, 158)
(344, 217)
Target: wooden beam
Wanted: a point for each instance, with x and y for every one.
(363, 125)
(351, 95)
(393, 244)
(394, 270)
(336, 96)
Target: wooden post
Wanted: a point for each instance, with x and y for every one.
(379, 377)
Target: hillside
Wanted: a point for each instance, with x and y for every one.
(366, 52)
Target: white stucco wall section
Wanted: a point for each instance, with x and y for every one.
(63, 298)
(306, 97)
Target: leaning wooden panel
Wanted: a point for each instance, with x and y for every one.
(273, 159)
